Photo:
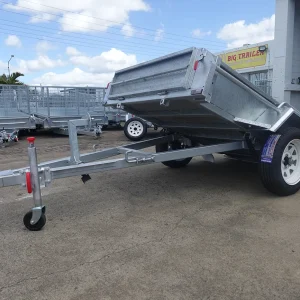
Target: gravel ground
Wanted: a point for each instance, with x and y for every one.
(208, 231)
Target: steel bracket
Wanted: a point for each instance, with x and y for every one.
(164, 102)
(37, 213)
(120, 106)
(45, 176)
(137, 160)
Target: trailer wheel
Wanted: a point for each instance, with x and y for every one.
(280, 163)
(180, 163)
(135, 129)
(37, 226)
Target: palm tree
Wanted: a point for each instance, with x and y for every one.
(11, 79)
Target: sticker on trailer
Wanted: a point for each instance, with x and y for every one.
(269, 148)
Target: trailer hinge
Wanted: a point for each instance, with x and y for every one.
(250, 145)
(164, 102)
(119, 105)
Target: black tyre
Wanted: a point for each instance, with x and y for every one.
(135, 129)
(280, 166)
(36, 227)
(169, 147)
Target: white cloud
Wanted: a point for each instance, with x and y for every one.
(43, 47)
(89, 70)
(76, 77)
(40, 63)
(198, 33)
(41, 17)
(71, 51)
(81, 16)
(159, 34)
(108, 61)
(128, 30)
(13, 41)
(239, 33)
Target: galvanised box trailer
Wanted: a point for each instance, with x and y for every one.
(203, 106)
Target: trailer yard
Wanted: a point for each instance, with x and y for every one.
(207, 231)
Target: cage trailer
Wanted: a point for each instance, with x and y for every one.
(203, 106)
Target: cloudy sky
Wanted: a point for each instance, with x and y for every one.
(82, 42)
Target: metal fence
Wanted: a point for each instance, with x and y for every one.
(51, 103)
(265, 85)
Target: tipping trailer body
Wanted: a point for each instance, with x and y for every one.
(194, 93)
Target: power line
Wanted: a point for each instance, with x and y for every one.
(133, 48)
(161, 42)
(85, 45)
(119, 23)
(101, 40)
(59, 41)
(39, 11)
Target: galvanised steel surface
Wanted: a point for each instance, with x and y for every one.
(52, 106)
(115, 116)
(193, 92)
(204, 106)
(78, 164)
(13, 103)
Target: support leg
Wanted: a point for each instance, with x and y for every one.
(35, 219)
(73, 139)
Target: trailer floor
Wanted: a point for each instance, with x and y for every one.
(203, 232)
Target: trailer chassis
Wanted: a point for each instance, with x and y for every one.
(36, 176)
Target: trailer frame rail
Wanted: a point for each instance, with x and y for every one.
(37, 176)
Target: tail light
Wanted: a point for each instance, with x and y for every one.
(196, 64)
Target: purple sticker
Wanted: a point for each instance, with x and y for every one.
(269, 148)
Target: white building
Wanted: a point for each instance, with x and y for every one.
(286, 78)
(254, 61)
(277, 72)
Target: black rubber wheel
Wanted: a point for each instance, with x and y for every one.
(36, 227)
(281, 175)
(135, 129)
(173, 163)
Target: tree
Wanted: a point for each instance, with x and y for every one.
(12, 79)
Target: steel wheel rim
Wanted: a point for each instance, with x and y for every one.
(290, 162)
(135, 128)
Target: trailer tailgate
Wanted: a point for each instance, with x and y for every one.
(173, 72)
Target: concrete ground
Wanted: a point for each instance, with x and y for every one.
(208, 231)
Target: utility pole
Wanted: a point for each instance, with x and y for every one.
(8, 64)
